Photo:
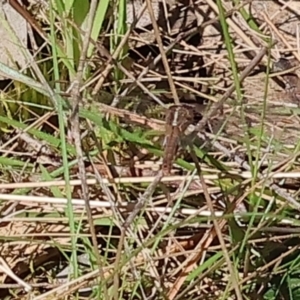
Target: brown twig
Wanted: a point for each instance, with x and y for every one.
(217, 230)
(141, 203)
(190, 33)
(245, 165)
(202, 123)
(162, 52)
(28, 17)
(114, 56)
(75, 129)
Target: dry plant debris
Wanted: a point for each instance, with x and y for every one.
(224, 223)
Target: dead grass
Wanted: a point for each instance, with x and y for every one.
(227, 230)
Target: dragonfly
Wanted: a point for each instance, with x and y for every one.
(177, 119)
